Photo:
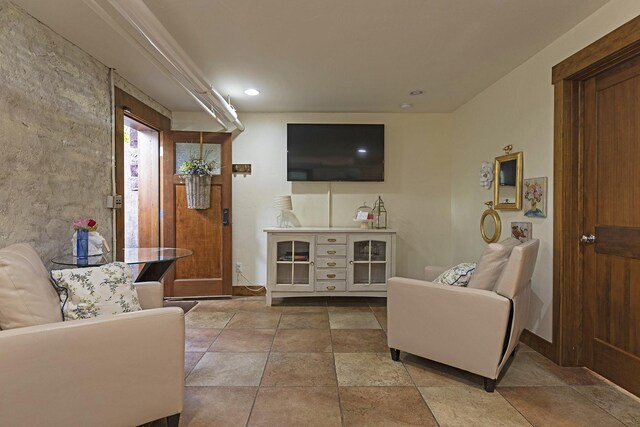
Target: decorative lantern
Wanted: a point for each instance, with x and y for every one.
(379, 214)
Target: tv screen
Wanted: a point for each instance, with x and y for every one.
(335, 152)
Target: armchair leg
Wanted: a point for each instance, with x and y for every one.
(489, 385)
(395, 354)
(173, 420)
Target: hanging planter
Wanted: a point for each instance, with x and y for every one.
(198, 191)
(197, 178)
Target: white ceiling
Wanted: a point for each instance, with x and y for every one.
(329, 55)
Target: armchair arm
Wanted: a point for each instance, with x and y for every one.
(150, 294)
(126, 369)
(458, 326)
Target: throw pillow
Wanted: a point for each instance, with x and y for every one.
(491, 264)
(90, 292)
(458, 275)
(27, 297)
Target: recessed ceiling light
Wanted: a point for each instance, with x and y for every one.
(406, 105)
(416, 92)
(252, 92)
(361, 150)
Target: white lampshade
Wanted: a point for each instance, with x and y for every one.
(283, 203)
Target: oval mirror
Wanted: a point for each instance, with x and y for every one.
(490, 226)
(507, 189)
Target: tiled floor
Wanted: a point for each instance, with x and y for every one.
(325, 362)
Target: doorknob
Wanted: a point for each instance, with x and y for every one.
(588, 239)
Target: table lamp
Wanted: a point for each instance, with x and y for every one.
(282, 203)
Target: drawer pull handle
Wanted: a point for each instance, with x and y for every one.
(331, 252)
(331, 264)
(332, 240)
(331, 276)
(330, 288)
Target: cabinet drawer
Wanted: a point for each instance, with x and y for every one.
(331, 250)
(331, 286)
(331, 239)
(331, 263)
(327, 274)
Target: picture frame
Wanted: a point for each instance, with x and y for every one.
(534, 197)
(522, 231)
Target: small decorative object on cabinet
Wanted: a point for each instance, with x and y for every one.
(329, 262)
(364, 216)
(379, 214)
(283, 204)
(535, 197)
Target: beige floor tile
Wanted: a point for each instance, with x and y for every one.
(377, 302)
(199, 339)
(304, 321)
(427, 373)
(206, 319)
(353, 320)
(568, 375)
(228, 369)
(370, 369)
(217, 406)
(190, 360)
(244, 340)
(303, 406)
(359, 341)
(524, 348)
(525, 371)
(379, 308)
(384, 407)
(364, 308)
(470, 407)
(299, 369)
(304, 309)
(381, 317)
(620, 404)
(302, 341)
(557, 406)
(250, 320)
(239, 305)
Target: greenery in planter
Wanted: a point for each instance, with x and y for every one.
(199, 166)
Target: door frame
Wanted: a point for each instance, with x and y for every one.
(126, 104)
(568, 78)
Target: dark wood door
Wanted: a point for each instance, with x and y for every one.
(206, 232)
(611, 194)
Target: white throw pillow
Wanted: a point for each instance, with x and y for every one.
(93, 291)
(458, 275)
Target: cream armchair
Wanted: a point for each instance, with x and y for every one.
(120, 370)
(472, 329)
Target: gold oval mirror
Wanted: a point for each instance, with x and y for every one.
(507, 192)
(490, 225)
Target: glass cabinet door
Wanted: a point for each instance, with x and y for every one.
(294, 262)
(369, 257)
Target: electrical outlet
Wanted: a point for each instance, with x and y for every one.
(238, 267)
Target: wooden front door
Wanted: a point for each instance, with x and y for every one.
(611, 194)
(206, 232)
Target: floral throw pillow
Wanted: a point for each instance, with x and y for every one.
(93, 291)
(458, 275)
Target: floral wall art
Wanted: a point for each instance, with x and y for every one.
(535, 197)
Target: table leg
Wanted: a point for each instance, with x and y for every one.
(153, 271)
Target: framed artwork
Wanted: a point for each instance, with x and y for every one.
(535, 197)
(522, 230)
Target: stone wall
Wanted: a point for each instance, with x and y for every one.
(55, 136)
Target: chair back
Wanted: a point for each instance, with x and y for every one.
(517, 273)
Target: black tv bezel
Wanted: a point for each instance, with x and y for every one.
(339, 180)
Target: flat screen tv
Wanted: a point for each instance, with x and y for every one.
(335, 152)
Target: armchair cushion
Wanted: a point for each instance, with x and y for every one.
(27, 297)
(458, 275)
(90, 292)
(491, 263)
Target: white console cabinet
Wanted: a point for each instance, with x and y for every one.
(329, 262)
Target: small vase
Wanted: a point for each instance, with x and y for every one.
(534, 205)
(82, 244)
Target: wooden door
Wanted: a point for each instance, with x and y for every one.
(611, 194)
(206, 232)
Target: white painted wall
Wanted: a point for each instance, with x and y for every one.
(518, 110)
(416, 191)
